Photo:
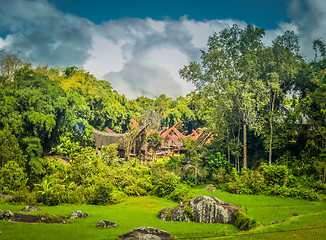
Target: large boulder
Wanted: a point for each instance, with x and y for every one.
(106, 224)
(78, 214)
(146, 233)
(202, 209)
(30, 209)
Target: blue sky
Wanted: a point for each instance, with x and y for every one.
(139, 46)
(263, 13)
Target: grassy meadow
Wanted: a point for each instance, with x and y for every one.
(303, 219)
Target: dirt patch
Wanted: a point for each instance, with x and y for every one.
(28, 218)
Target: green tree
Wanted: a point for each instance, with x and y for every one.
(279, 68)
(12, 177)
(10, 63)
(228, 77)
(154, 140)
(9, 148)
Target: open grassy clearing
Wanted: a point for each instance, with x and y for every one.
(142, 211)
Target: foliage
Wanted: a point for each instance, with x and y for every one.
(154, 141)
(10, 149)
(12, 177)
(166, 185)
(109, 153)
(182, 193)
(244, 222)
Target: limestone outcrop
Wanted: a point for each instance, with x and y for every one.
(30, 209)
(202, 209)
(78, 214)
(106, 224)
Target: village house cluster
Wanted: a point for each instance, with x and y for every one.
(172, 139)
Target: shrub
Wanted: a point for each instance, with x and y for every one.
(245, 222)
(12, 177)
(98, 194)
(219, 175)
(167, 184)
(176, 161)
(189, 212)
(24, 197)
(117, 197)
(182, 193)
(141, 187)
(275, 174)
(99, 190)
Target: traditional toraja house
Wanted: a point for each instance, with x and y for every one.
(172, 138)
(109, 137)
(103, 139)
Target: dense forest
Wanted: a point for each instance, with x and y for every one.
(266, 107)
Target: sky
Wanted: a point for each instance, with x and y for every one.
(139, 46)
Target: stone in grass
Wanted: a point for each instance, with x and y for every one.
(30, 209)
(149, 237)
(78, 214)
(146, 233)
(202, 209)
(1, 214)
(210, 187)
(8, 214)
(106, 224)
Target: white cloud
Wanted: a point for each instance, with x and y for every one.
(154, 51)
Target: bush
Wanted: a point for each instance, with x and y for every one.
(24, 197)
(275, 174)
(245, 222)
(176, 161)
(167, 184)
(98, 194)
(182, 193)
(219, 175)
(12, 178)
(142, 186)
(117, 197)
(99, 190)
(297, 192)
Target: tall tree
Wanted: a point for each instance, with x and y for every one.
(228, 76)
(279, 68)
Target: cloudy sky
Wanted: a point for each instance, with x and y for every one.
(139, 46)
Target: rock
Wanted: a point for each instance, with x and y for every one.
(30, 209)
(1, 214)
(149, 237)
(78, 214)
(174, 214)
(106, 224)
(8, 214)
(202, 209)
(210, 187)
(146, 233)
(5, 196)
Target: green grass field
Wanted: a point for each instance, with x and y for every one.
(303, 218)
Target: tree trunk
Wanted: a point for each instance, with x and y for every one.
(271, 132)
(244, 142)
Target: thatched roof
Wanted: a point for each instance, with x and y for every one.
(105, 139)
